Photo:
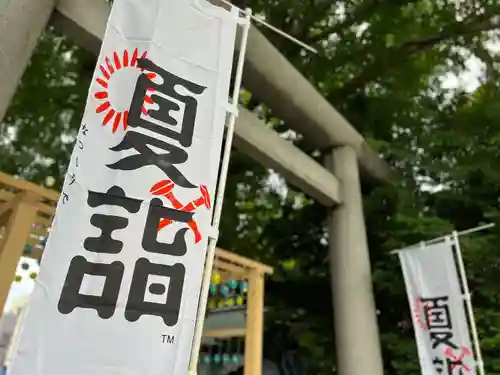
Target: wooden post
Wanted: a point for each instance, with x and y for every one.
(16, 235)
(254, 324)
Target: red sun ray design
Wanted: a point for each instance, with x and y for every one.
(108, 116)
(116, 123)
(125, 120)
(103, 107)
(104, 72)
(125, 58)
(112, 64)
(109, 66)
(102, 82)
(101, 95)
(118, 63)
(134, 57)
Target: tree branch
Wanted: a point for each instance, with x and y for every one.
(359, 15)
(466, 29)
(490, 61)
(408, 49)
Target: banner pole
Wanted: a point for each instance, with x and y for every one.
(468, 303)
(442, 238)
(209, 260)
(276, 30)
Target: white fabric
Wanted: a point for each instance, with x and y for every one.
(430, 272)
(195, 41)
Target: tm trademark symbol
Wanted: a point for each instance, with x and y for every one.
(167, 339)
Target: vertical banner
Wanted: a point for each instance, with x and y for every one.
(120, 277)
(438, 312)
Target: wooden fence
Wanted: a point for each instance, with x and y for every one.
(236, 303)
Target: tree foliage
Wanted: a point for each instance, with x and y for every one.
(387, 67)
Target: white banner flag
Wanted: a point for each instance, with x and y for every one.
(438, 312)
(121, 272)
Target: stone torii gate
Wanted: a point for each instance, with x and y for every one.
(273, 80)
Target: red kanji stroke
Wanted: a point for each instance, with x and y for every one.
(165, 188)
(418, 307)
(448, 352)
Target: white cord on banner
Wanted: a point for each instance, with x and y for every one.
(442, 238)
(468, 303)
(209, 261)
(276, 30)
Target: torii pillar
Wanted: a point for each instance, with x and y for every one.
(355, 317)
(21, 24)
